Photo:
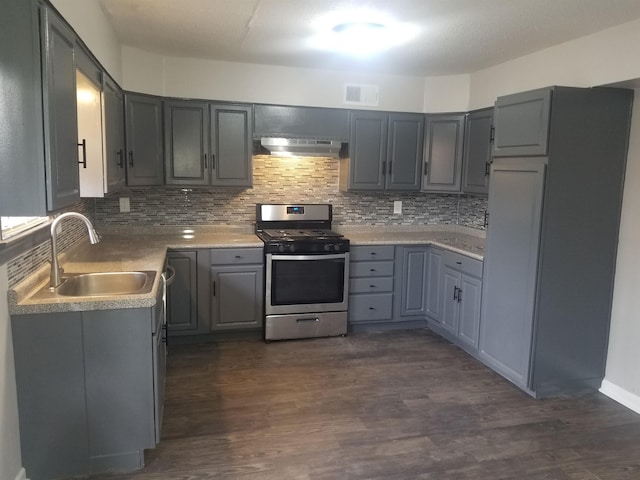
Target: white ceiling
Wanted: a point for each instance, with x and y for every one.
(455, 36)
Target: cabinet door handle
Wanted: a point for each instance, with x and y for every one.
(487, 168)
(390, 163)
(485, 223)
(205, 161)
(455, 293)
(120, 155)
(426, 169)
(131, 158)
(384, 168)
(492, 134)
(83, 162)
(213, 161)
(459, 295)
(214, 288)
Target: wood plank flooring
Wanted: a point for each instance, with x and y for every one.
(394, 405)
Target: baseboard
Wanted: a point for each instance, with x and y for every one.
(620, 395)
(22, 475)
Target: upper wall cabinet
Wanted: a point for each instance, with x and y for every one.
(22, 165)
(443, 153)
(207, 144)
(144, 154)
(522, 124)
(113, 121)
(385, 152)
(301, 122)
(60, 121)
(477, 151)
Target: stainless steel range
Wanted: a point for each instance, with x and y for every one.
(307, 271)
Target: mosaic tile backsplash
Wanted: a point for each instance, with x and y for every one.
(287, 180)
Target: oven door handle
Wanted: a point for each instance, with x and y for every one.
(338, 256)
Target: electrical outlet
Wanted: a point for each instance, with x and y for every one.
(125, 205)
(397, 207)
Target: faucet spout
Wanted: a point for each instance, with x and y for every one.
(55, 277)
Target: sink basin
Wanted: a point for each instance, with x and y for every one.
(101, 284)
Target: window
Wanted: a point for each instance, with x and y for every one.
(12, 226)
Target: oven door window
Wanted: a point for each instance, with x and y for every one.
(297, 282)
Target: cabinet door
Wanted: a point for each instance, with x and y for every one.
(231, 127)
(469, 321)
(415, 268)
(510, 266)
(522, 124)
(113, 136)
(182, 302)
(477, 151)
(443, 152)
(144, 140)
(237, 293)
(60, 116)
(368, 150)
(449, 300)
(119, 381)
(22, 169)
(434, 285)
(90, 141)
(404, 155)
(185, 143)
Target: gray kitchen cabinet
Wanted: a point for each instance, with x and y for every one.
(461, 295)
(114, 135)
(434, 308)
(231, 149)
(415, 277)
(443, 153)
(144, 140)
(548, 277)
(182, 294)
(522, 122)
(371, 284)
(90, 388)
(301, 122)
(236, 289)
(60, 111)
(385, 151)
(207, 144)
(185, 142)
(477, 151)
(23, 191)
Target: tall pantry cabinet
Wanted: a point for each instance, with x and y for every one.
(555, 194)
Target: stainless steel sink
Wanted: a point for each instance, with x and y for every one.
(101, 284)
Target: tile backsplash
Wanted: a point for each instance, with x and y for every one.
(287, 180)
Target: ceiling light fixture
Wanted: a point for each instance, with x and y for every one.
(360, 33)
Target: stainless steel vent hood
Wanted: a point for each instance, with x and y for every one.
(302, 147)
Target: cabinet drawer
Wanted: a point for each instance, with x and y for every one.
(371, 285)
(230, 256)
(372, 252)
(465, 264)
(370, 269)
(370, 307)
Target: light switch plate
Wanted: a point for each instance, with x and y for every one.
(397, 207)
(125, 205)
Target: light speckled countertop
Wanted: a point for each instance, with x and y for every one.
(145, 249)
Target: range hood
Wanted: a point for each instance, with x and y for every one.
(301, 147)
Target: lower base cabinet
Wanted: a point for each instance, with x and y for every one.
(236, 289)
(371, 284)
(459, 290)
(182, 300)
(90, 389)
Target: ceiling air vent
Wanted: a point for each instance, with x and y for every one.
(364, 95)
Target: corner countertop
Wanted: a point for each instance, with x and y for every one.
(134, 249)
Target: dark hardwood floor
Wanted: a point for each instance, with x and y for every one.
(396, 405)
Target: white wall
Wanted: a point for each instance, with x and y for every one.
(446, 94)
(10, 457)
(91, 24)
(208, 79)
(623, 359)
(604, 57)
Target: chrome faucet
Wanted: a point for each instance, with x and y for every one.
(56, 271)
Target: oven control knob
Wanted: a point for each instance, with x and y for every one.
(327, 247)
(281, 248)
(292, 248)
(336, 247)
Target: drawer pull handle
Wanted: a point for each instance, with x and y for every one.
(372, 269)
(371, 308)
(459, 263)
(372, 286)
(373, 253)
(238, 256)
